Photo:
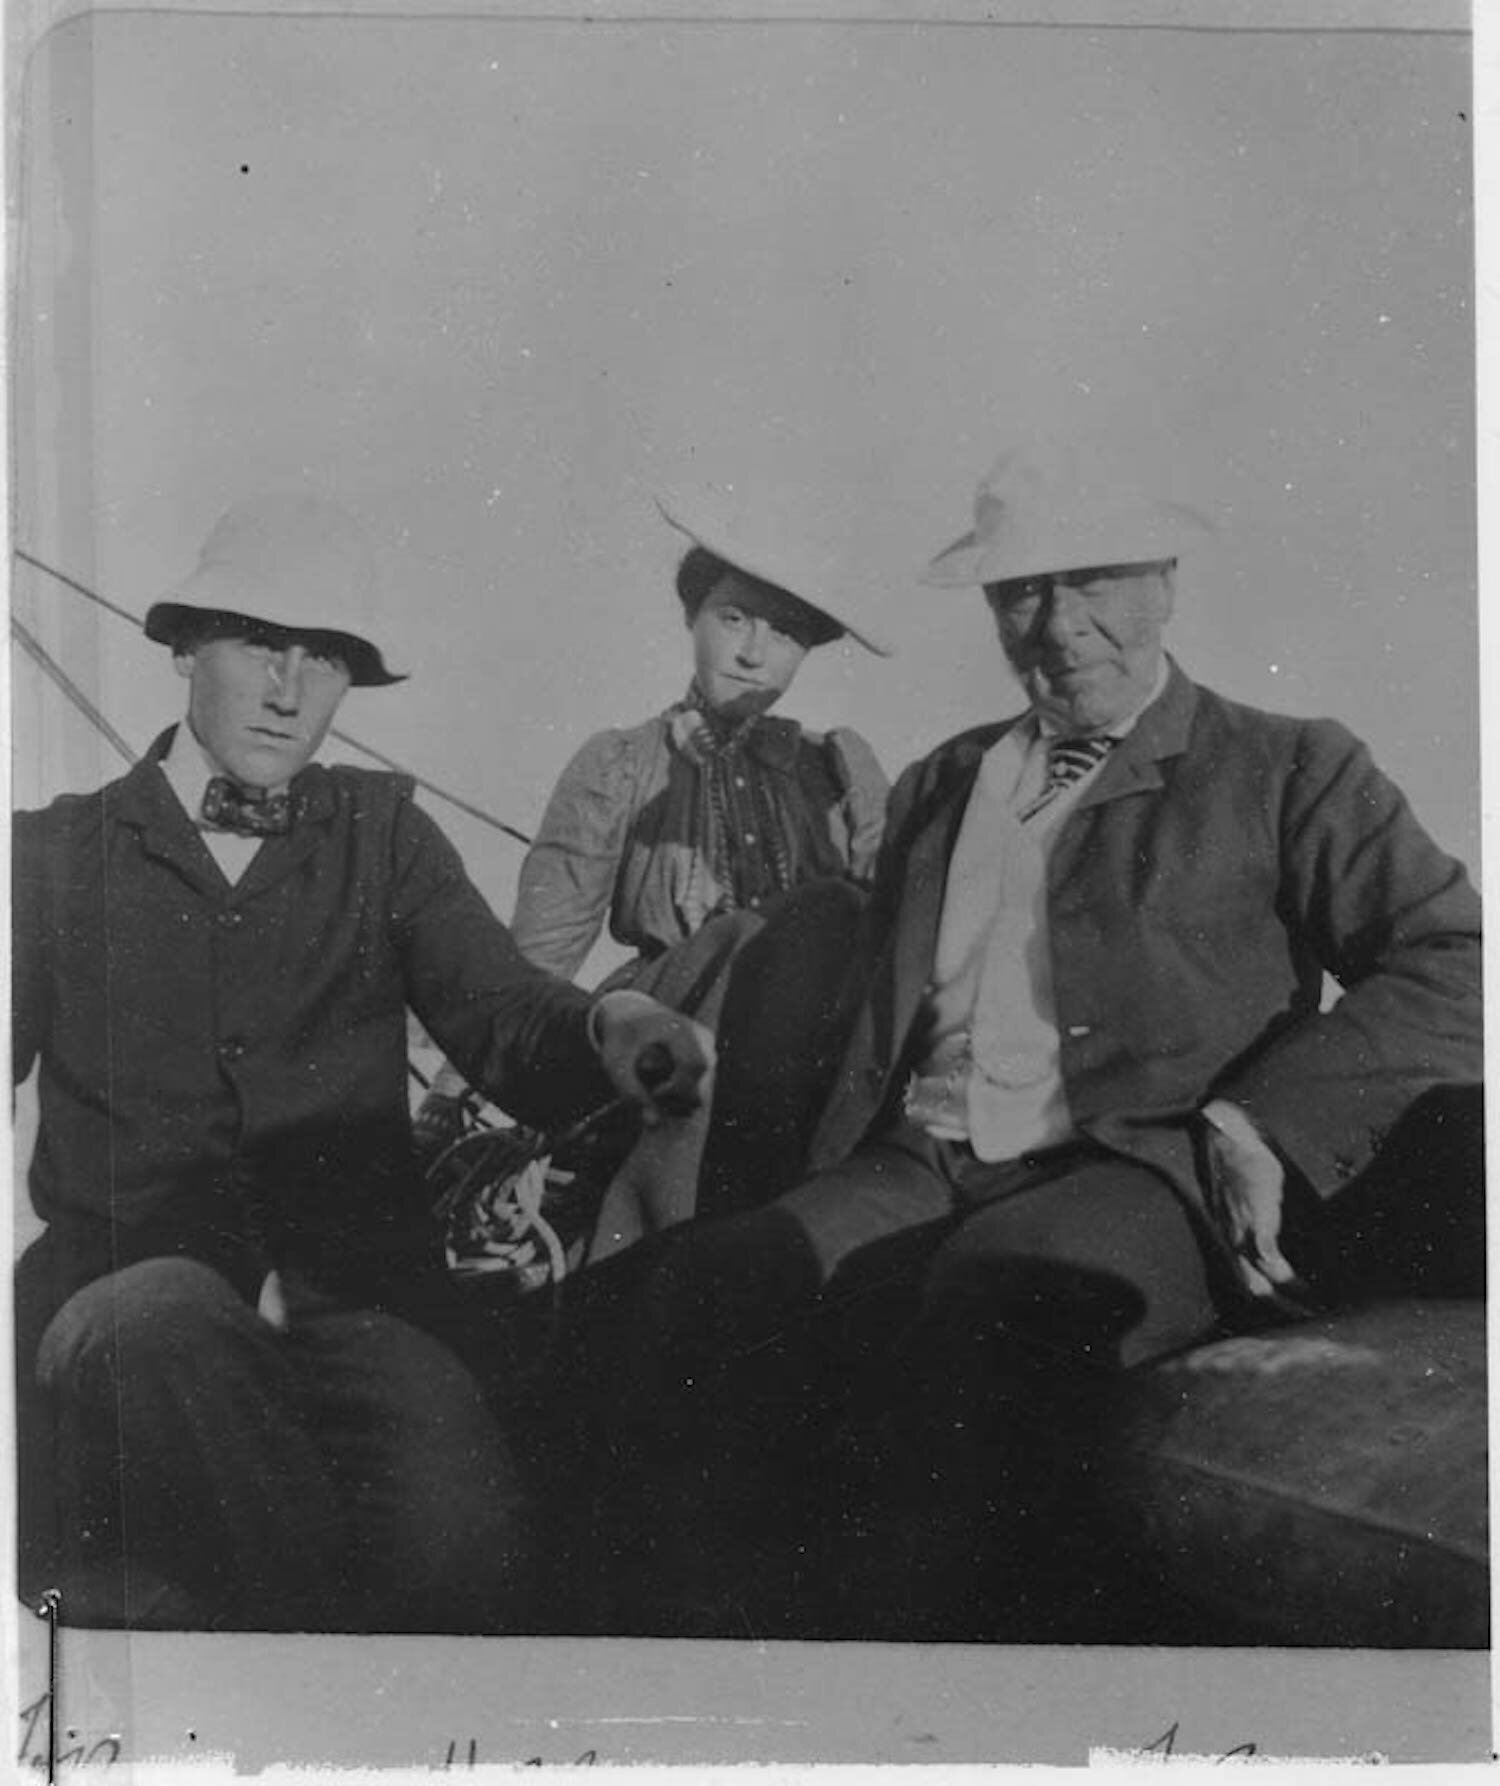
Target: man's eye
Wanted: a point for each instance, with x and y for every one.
(731, 616)
(1026, 595)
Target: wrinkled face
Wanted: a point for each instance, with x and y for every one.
(260, 700)
(1087, 644)
(745, 652)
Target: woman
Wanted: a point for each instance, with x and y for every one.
(687, 832)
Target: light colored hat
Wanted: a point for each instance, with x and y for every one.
(294, 561)
(766, 533)
(1053, 508)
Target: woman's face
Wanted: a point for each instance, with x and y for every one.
(744, 659)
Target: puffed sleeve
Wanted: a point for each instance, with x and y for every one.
(866, 792)
(568, 877)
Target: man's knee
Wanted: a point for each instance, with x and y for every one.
(158, 1312)
(784, 1020)
(439, 1495)
(726, 1285)
(1100, 1267)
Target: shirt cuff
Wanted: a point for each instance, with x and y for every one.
(1232, 1121)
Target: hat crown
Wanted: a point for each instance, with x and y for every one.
(780, 532)
(293, 560)
(298, 553)
(1050, 506)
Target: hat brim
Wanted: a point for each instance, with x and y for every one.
(168, 621)
(1152, 536)
(714, 537)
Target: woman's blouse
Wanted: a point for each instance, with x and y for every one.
(667, 824)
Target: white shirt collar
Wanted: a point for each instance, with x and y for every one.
(189, 769)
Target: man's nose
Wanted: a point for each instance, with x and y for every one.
(752, 647)
(284, 672)
(1064, 613)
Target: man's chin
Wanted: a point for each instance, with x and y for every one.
(1073, 705)
(262, 769)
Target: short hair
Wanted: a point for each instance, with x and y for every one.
(697, 577)
(701, 572)
(200, 626)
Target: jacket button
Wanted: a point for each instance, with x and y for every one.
(231, 920)
(231, 1049)
(1080, 1029)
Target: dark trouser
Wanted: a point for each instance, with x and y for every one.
(341, 1475)
(921, 1334)
(913, 1336)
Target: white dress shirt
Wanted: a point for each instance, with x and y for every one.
(189, 769)
(991, 1071)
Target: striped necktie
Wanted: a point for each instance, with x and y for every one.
(1068, 760)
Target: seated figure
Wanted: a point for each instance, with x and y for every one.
(1091, 1107)
(688, 832)
(229, 1392)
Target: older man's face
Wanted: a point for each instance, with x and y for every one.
(1086, 643)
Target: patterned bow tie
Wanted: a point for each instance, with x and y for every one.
(250, 812)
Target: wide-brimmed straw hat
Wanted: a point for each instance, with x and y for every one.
(293, 561)
(1045, 508)
(766, 534)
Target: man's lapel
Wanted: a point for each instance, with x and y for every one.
(313, 807)
(1134, 766)
(145, 801)
(924, 878)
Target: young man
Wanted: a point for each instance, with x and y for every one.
(214, 960)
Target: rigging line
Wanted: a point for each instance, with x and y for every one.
(343, 737)
(70, 688)
(77, 587)
(431, 786)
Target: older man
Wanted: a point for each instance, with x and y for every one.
(1092, 1103)
(215, 956)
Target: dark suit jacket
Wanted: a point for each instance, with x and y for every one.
(223, 1069)
(1219, 863)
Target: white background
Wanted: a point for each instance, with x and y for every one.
(491, 283)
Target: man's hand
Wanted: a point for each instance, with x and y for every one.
(656, 1057)
(1245, 1186)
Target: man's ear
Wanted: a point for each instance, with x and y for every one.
(1168, 575)
(183, 660)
